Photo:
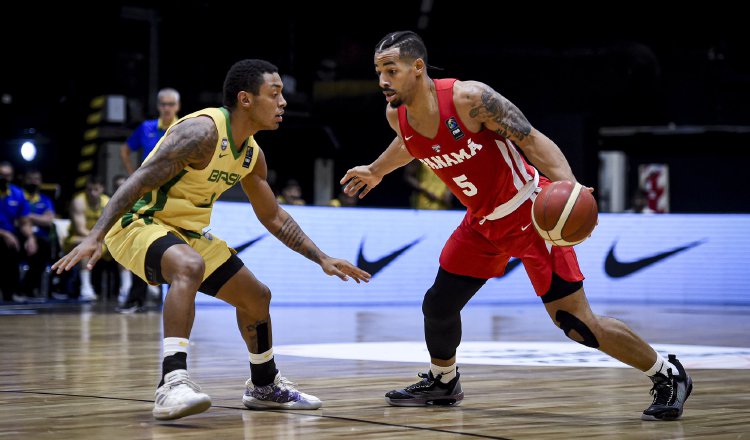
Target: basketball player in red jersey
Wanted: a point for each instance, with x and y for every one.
(469, 134)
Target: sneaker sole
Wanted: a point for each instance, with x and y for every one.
(454, 400)
(177, 412)
(253, 403)
(668, 416)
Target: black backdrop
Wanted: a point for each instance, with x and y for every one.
(571, 72)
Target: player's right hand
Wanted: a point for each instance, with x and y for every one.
(360, 178)
(90, 248)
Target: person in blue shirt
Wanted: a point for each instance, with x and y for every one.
(145, 137)
(17, 239)
(42, 217)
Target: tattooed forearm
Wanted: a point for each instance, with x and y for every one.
(494, 107)
(291, 235)
(191, 142)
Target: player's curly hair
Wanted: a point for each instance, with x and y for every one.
(245, 75)
(410, 45)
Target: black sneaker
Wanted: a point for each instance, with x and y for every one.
(428, 391)
(670, 393)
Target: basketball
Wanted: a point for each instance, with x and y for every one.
(565, 213)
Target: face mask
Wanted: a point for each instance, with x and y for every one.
(3, 183)
(31, 188)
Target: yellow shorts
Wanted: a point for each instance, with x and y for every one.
(129, 245)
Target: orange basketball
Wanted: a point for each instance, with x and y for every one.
(565, 213)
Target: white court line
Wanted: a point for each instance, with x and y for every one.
(537, 354)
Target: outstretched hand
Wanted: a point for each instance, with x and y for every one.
(359, 178)
(90, 248)
(344, 269)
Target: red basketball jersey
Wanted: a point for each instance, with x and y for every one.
(484, 170)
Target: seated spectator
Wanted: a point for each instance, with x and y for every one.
(133, 290)
(85, 210)
(42, 216)
(428, 191)
(17, 240)
(344, 200)
(640, 203)
(126, 277)
(291, 194)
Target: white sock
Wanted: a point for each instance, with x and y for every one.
(660, 366)
(261, 358)
(126, 281)
(448, 372)
(175, 345)
(86, 280)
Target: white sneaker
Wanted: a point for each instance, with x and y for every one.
(281, 394)
(179, 397)
(87, 294)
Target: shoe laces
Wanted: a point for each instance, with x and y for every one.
(663, 389)
(286, 384)
(427, 381)
(280, 382)
(182, 379)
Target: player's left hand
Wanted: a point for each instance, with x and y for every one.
(344, 269)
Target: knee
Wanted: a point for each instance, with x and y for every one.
(190, 270)
(433, 307)
(264, 296)
(576, 329)
(256, 302)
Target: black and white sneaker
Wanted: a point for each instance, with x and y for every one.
(670, 393)
(429, 391)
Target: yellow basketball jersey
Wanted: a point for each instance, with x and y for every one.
(92, 214)
(185, 202)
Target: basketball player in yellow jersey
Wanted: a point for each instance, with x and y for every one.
(155, 222)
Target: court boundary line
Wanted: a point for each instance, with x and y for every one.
(278, 411)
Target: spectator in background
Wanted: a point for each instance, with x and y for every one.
(291, 194)
(126, 277)
(17, 239)
(133, 290)
(117, 182)
(41, 216)
(145, 137)
(343, 199)
(85, 210)
(640, 203)
(428, 191)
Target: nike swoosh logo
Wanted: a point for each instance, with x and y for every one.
(376, 266)
(523, 228)
(244, 246)
(222, 155)
(408, 137)
(618, 269)
(512, 264)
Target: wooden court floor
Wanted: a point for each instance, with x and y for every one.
(83, 372)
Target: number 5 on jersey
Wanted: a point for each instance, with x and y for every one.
(468, 188)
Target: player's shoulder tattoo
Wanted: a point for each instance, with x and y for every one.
(489, 106)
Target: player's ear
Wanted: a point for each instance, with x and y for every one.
(244, 99)
(419, 65)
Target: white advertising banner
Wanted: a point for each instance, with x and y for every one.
(667, 258)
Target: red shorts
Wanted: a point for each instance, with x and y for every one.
(483, 251)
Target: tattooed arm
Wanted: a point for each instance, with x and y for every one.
(478, 104)
(282, 225)
(192, 142)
